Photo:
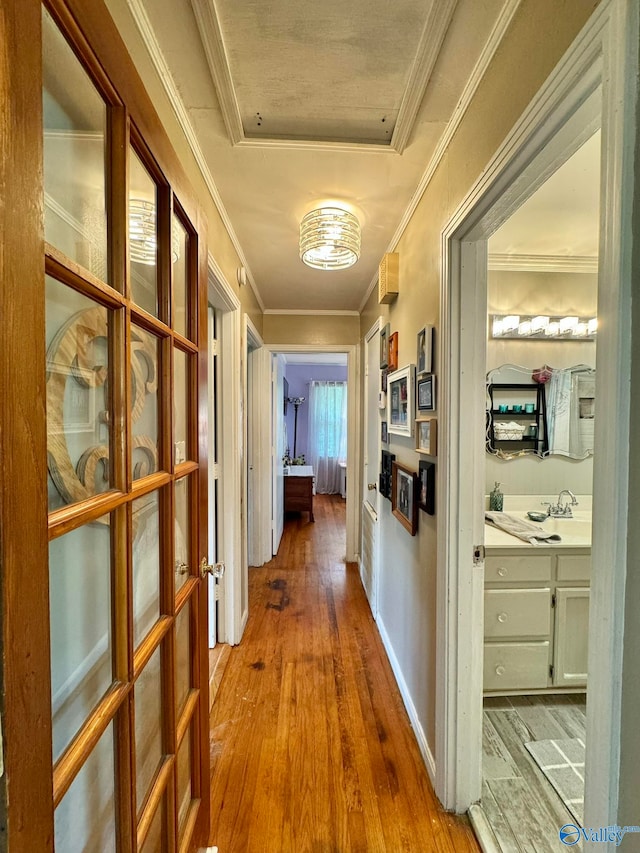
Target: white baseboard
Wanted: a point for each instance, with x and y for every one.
(427, 755)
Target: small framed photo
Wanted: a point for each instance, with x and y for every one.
(393, 352)
(427, 436)
(427, 487)
(425, 350)
(384, 346)
(384, 435)
(383, 380)
(427, 393)
(404, 497)
(385, 473)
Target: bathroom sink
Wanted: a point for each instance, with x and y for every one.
(573, 531)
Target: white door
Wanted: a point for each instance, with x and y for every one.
(214, 471)
(369, 545)
(277, 449)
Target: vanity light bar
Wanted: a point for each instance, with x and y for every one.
(542, 328)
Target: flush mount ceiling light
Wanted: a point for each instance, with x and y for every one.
(329, 239)
(143, 245)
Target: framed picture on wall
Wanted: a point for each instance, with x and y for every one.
(427, 394)
(385, 474)
(384, 346)
(427, 436)
(384, 435)
(425, 350)
(393, 352)
(404, 496)
(383, 380)
(427, 487)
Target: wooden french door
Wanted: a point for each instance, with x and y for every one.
(122, 719)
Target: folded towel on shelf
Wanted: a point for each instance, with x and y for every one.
(532, 533)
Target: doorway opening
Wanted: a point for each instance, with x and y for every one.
(585, 92)
(542, 265)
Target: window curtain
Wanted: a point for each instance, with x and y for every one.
(327, 440)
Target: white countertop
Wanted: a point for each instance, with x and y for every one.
(574, 532)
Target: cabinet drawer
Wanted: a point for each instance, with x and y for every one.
(516, 666)
(517, 613)
(499, 569)
(574, 567)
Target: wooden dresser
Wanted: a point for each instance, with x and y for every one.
(298, 495)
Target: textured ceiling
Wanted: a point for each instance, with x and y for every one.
(330, 70)
(363, 57)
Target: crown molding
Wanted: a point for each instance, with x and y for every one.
(162, 69)
(213, 43)
(310, 312)
(497, 34)
(433, 34)
(544, 263)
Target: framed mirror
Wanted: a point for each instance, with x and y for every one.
(543, 411)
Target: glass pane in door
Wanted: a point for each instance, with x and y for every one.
(184, 779)
(180, 258)
(85, 820)
(75, 120)
(180, 403)
(144, 402)
(183, 656)
(153, 841)
(148, 714)
(146, 565)
(78, 434)
(182, 532)
(81, 626)
(143, 235)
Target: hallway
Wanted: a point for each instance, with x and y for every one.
(312, 750)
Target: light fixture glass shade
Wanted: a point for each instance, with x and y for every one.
(329, 239)
(143, 244)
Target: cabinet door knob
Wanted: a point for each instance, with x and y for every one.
(502, 572)
(502, 617)
(500, 670)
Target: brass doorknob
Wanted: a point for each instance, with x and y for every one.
(372, 487)
(181, 568)
(216, 570)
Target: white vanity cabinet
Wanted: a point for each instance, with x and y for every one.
(536, 619)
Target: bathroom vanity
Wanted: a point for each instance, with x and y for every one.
(536, 605)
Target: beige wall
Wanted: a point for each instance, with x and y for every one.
(219, 242)
(540, 33)
(329, 329)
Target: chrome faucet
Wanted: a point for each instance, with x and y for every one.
(560, 510)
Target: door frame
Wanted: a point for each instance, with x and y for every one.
(260, 398)
(235, 609)
(251, 508)
(354, 498)
(602, 54)
(367, 342)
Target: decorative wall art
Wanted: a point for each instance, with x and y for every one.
(400, 400)
(424, 356)
(385, 473)
(427, 394)
(426, 436)
(393, 351)
(427, 487)
(404, 497)
(384, 436)
(384, 346)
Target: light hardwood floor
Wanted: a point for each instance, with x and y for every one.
(312, 750)
(523, 810)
